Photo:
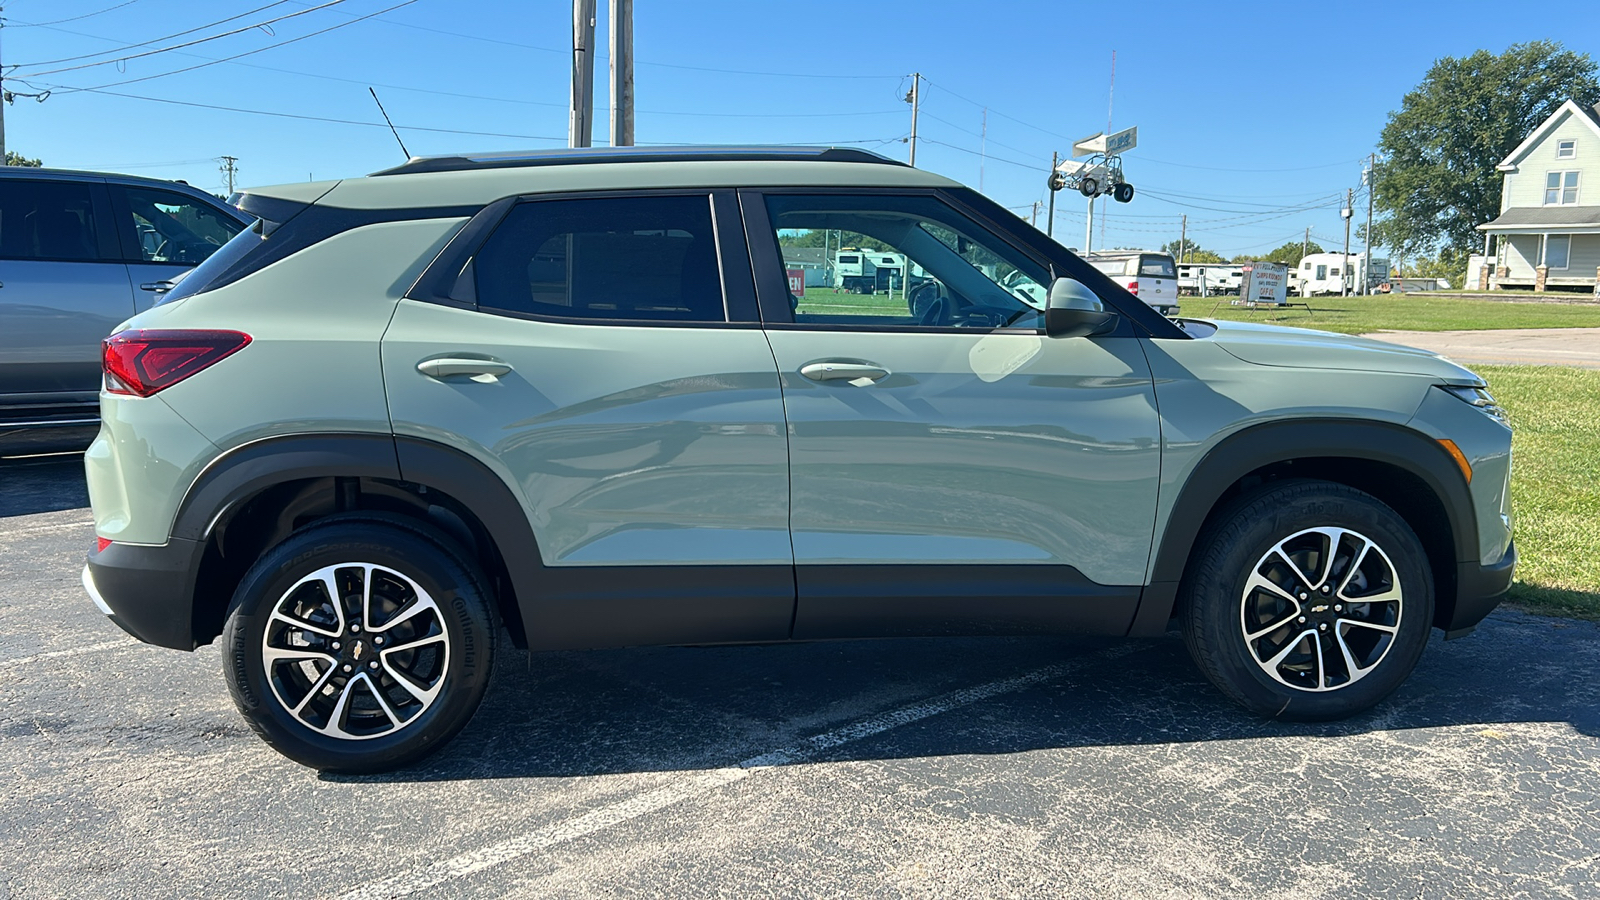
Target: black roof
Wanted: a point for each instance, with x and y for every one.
(591, 155)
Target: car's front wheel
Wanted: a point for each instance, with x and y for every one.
(1308, 600)
(359, 645)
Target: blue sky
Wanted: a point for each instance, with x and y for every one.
(1253, 117)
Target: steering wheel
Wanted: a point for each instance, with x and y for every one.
(929, 305)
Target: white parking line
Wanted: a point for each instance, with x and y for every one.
(700, 783)
(62, 654)
(37, 528)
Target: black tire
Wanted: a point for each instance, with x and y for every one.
(1089, 187)
(441, 639)
(1123, 193)
(1218, 616)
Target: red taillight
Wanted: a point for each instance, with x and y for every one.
(142, 362)
(101, 543)
(1133, 288)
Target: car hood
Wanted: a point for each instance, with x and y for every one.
(1302, 348)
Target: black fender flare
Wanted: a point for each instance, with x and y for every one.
(1259, 446)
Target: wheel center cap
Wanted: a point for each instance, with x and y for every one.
(358, 649)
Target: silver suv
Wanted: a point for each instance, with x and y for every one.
(580, 394)
(80, 252)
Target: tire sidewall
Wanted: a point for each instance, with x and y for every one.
(1234, 555)
(454, 586)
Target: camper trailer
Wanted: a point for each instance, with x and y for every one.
(1323, 274)
(860, 271)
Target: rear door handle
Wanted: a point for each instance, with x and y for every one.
(157, 287)
(477, 368)
(857, 373)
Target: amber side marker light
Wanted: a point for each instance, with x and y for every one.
(1456, 454)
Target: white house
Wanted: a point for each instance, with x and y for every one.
(1548, 231)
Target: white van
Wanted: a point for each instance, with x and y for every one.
(1149, 275)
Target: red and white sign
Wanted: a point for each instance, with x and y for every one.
(797, 282)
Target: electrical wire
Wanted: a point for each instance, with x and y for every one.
(293, 40)
(72, 18)
(51, 62)
(214, 37)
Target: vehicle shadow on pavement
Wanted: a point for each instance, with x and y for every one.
(42, 484)
(673, 709)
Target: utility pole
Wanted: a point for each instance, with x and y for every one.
(1305, 245)
(1372, 174)
(580, 120)
(1183, 239)
(622, 73)
(912, 99)
(1050, 217)
(2, 109)
(1034, 218)
(983, 148)
(1347, 212)
(229, 167)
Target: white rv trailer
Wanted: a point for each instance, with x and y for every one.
(1322, 274)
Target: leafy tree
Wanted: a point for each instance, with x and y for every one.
(1191, 252)
(1439, 182)
(833, 239)
(17, 159)
(1289, 254)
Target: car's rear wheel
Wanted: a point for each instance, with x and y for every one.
(359, 645)
(1308, 600)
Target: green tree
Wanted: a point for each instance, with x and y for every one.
(813, 237)
(1191, 252)
(17, 159)
(1289, 254)
(1438, 182)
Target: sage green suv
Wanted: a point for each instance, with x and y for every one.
(602, 398)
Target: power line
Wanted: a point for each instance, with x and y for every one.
(51, 62)
(74, 18)
(214, 37)
(293, 40)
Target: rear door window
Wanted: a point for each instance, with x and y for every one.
(623, 258)
(1157, 267)
(48, 221)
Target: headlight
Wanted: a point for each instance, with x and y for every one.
(1480, 398)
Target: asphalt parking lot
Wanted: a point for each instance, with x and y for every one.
(949, 768)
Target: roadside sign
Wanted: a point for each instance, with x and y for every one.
(797, 281)
(1264, 283)
(1122, 141)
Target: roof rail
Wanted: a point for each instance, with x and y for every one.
(591, 155)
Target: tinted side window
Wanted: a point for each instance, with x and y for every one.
(169, 227)
(47, 220)
(640, 258)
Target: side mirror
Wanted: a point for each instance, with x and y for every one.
(1075, 311)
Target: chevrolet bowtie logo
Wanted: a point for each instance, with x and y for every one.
(1321, 607)
(359, 648)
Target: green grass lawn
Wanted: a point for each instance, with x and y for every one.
(1356, 315)
(1555, 485)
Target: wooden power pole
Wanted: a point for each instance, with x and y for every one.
(912, 98)
(622, 73)
(580, 120)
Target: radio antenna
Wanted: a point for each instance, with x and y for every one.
(391, 123)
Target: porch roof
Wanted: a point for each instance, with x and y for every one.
(1538, 219)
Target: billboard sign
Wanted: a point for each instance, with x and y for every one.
(1264, 283)
(1122, 141)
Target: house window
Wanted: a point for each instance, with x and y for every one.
(1556, 249)
(1561, 188)
(1566, 149)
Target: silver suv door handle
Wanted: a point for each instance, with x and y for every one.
(831, 370)
(444, 368)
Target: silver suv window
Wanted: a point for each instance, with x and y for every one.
(48, 220)
(630, 258)
(173, 228)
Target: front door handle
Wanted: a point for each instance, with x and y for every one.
(477, 368)
(857, 373)
(157, 287)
